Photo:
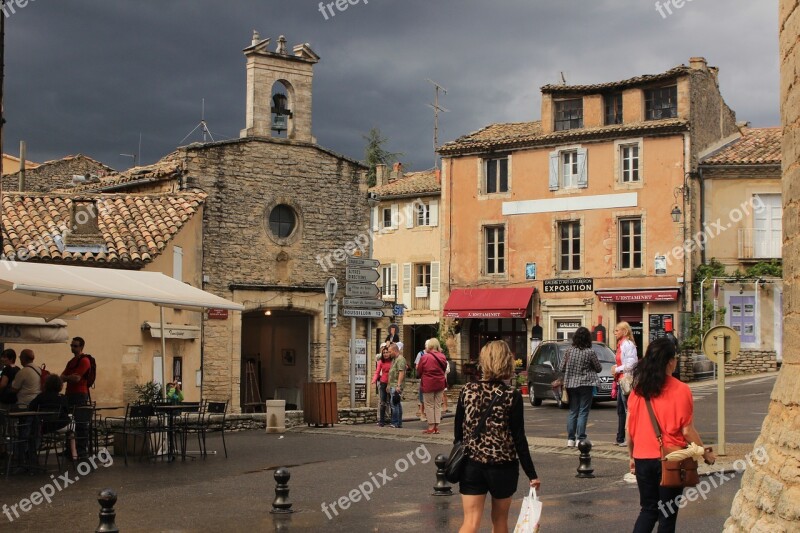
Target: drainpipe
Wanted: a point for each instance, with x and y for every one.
(702, 211)
(702, 309)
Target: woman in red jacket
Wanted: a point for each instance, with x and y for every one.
(432, 382)
(382, 376)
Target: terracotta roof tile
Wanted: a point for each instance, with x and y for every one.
(424, 182)
(133, 230)
(644, 79)
(756, 146)
(527, 134)
(165, 169)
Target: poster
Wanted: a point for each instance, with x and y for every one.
(360, 360)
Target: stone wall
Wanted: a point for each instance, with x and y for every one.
(56, 174)
(769, 499)
(243, 261)
(748, 362)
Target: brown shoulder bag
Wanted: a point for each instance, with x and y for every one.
(674, 474)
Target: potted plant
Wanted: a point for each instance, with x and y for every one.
(521, 381)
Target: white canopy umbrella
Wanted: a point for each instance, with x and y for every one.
(58, 291)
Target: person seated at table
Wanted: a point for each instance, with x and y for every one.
(51, 399)
(174, 393)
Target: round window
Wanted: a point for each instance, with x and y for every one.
(282, 221)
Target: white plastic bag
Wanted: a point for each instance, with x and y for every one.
(530, 514)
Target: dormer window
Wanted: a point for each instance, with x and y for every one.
(661, 102)
(568, 114)
(613, 107)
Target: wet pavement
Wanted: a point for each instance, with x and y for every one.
(369, 478)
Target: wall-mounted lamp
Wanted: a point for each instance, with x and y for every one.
(268, 313)
(676, 213)
(741, 289)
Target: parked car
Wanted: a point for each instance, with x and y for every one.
(544, 365)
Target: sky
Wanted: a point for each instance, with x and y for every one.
(90, 76)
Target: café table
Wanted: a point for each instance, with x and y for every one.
(171, 411)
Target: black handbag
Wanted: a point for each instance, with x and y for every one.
(457, 459)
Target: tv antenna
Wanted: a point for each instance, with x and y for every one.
(436, 110)
(203, 126)
(137, 157)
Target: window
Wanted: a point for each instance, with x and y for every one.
(388, 289)
(569, 114)
(568, 169)
(661, 103)
(422, 286)
(629, 163)
(282, 221)
(570, 245)
(613, 107)
(387, 217)
(423, 214)
(496, 175)
(630, 243)
(423, 275)
(494, 237)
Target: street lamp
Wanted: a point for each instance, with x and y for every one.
(676, 213)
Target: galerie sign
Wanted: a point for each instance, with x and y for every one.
(569, 285)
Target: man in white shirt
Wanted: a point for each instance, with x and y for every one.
(27, 383)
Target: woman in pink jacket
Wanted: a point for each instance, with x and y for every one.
(382, 376)
(431, 372)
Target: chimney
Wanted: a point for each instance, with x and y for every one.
(397, 172)
(23, 155)
(380, 174)
(438, 176)
(698, 63)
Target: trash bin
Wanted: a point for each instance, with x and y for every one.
(276, 416)
(320, 405)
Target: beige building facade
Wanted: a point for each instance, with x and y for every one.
(406, 236)
(571, 220)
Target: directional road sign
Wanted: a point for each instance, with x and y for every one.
(367, 275)
(362, 290)
(363, 303)
(365, 263)
(362, 313)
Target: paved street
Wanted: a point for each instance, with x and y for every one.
(218, 494)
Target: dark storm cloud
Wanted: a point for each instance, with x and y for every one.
(90, 75)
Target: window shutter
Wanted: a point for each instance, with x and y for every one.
(375, 219)
(583, 177)
(554, 171)
(407, 285)
(434, 296)
(410, 214)
(434, 207)
(393, 289)
(177, 263)
(395, 216)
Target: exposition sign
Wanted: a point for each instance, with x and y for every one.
(569, 285)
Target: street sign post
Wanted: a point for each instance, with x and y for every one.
(721, 344)
(331, 311)
(362, 313)
(362, 290)
(363, 303)
(364, 263)
(363, 275)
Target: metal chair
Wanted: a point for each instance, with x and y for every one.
(137, 423)
(191, 422)
(214, 422)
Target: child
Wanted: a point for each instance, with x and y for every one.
(174, 392)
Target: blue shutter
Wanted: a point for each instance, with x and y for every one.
(554, 170)
(583, 177)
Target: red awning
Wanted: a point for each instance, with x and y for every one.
(488, 303)
(638, 296)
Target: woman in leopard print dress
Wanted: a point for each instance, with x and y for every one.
(496, 449)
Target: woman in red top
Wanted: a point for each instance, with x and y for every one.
(674, 409)
(432, 382)
(382, 376)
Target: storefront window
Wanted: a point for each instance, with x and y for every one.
(512, 330)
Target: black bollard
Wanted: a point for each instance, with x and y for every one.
(281, 504)
(585, 468)
(442, 488)
(107, 498)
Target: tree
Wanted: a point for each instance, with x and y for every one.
(375, 154)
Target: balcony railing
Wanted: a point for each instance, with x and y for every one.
(759, 244)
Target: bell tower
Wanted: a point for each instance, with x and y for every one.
(279, 90)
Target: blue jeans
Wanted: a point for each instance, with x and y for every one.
(580, 401)
(397, 410)
(657, 502)
(622, 414)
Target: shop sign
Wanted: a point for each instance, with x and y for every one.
(569, 285)
(217, 314)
